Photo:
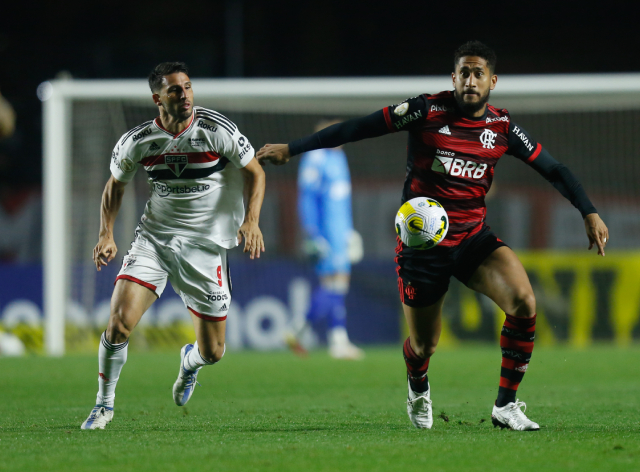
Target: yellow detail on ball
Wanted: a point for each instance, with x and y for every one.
(406, 210)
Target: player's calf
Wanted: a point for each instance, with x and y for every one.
(417, 367)
(516, 342)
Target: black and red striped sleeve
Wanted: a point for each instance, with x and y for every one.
(406, 115)
(522, 146)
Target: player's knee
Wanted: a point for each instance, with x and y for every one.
(212, 353)
(117, 333)
(424, 350)
(525, 305)
(117, 330)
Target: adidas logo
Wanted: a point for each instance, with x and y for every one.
(223, 308)
(445, 130)
(154, 147)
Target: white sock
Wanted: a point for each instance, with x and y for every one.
(338, 336)
(194, 360)
(111, 359)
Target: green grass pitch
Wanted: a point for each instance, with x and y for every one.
(273, 411)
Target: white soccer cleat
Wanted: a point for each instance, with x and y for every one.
(512, 417)
(183, 387)
(419, 408)
(346, 351)
(293, 343)
(340, 347)
(100, 417)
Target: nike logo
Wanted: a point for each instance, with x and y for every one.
(412, 225)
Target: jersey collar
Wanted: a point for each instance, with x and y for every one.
(174, 136)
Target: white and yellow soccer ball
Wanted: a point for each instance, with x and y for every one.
(422, 223)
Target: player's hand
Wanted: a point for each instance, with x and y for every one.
(253, 241)
(105, 251)
(277, 154)
(597, 232)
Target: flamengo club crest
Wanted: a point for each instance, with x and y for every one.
(488, 139)
(176, 163)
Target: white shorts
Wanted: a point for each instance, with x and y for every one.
(198, 272)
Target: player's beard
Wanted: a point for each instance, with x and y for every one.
(470, 109)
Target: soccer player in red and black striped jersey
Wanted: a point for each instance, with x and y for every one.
(455, 141)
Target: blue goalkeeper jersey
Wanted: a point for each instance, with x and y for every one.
(324, 202)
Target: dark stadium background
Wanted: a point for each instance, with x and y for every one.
(119, 39)
(40, 41)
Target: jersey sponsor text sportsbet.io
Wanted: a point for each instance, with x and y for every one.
(163, 190)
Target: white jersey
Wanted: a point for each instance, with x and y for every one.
(194, 192)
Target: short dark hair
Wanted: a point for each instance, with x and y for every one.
(166, 68)
(476, 48)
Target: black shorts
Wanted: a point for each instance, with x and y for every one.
(423, 276)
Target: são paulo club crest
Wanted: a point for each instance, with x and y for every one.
(176, 163)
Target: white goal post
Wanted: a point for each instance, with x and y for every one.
(350, 96)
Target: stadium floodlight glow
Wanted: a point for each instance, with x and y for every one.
(61, 100)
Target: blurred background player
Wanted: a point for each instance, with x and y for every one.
(7, 118)
(10, 344)
(324, 209)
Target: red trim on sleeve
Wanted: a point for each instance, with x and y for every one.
(207, 317)
(535, 154)
(138, 281)
(387, 119)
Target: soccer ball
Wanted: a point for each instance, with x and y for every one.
(422, 223)
(10, 345)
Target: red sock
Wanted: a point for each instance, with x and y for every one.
(516, 342)
(416, 368)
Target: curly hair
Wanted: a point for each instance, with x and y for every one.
(476, 48)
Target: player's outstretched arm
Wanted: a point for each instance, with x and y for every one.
(522, 146)
(254, 179)
(568, 185)
(356, 129)
(106, 249)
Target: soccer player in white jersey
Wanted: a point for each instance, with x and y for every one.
(198, 164)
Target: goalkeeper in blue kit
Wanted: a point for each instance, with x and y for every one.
(324, 209)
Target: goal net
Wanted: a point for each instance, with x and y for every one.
(591, 123)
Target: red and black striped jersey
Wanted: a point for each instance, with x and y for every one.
(451, 158)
